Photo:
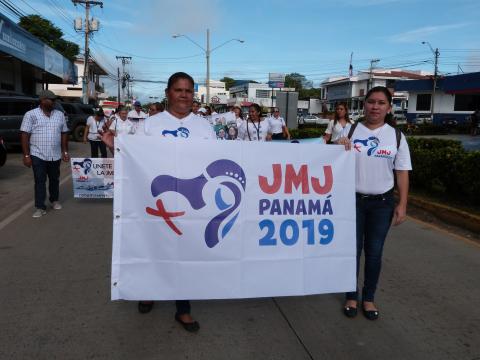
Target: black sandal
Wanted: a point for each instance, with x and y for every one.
(190, 327)
(145, 306)
(350, 312)
(370, 314)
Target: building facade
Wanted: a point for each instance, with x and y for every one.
(73, 92)
(27, 65)
(456, 97)
(260, 94)
(352, 89)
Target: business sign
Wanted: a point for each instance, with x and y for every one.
(22, 45)
(92, 178)
(228, 219)
(276, 77)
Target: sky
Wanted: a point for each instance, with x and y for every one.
(312, 37)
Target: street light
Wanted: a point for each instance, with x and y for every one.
(436, 53)
(207, 55)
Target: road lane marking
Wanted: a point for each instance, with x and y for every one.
(435, 227)
(26, 207)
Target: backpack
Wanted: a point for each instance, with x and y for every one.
(398, 133)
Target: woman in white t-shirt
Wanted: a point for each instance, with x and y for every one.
(339, 126)
(255, 128)
(93, 132)
(121, 124)
(278, 127)
(381, 155)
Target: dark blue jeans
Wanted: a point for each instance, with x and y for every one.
(374, 216)
(183, 307)
(98, 145)
(42, 169)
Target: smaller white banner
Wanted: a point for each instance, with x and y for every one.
(92, 178)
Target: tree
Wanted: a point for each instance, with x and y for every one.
(112, 98)
(229, 82)
(305, 94)
(297, 81)
(51, 35)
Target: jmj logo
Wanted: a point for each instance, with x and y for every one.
(372, 144)
(180, 132)
(231, 176)
(83, 166)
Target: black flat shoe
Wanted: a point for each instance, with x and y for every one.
(190, 327)
(145, 306)
(370, 314)
(349, 311)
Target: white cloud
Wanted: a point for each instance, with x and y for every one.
(424, 32)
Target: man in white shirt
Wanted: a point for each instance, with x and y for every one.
(44, 142)
(137, 116)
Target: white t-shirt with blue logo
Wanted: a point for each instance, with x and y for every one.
(376, 157)
(166, 125)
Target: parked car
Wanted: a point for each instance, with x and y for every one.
(400, 117)
(3, 153)
(313, 119)
(12, 110)
(423, 118)
(355, 115)
(77, 118)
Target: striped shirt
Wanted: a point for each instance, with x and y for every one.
(45, 133)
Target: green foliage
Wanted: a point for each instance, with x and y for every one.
(305, 94)
(229, 82)
(51, 35)
(308, 131)
(297, 81)
(444, 167)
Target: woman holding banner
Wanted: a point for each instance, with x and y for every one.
(179, 94)
(382, 155)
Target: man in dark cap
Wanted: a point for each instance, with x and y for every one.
(44, 142)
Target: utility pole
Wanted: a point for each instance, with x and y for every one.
(373, 61)
(125, 76)
(350, 68)
(207, 53)
(436, 53)
(118, 86)
(86, 83)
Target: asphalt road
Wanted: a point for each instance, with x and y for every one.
(55, 297)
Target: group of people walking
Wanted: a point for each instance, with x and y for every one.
(381, 153)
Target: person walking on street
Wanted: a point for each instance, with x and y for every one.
(137, 116)
(255, 128)
(382, 156)
(93, 132)
(44, 137)
(278, 126)
(339, 126)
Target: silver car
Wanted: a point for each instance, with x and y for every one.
(313, 119)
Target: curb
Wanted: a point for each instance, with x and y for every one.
(448, 214)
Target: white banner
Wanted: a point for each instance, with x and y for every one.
(204, 219)
(92, 178)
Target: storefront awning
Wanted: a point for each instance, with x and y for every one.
(19, 43)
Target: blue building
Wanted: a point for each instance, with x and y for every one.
(27, 64)
(456, 97)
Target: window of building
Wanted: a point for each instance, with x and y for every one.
(263, 93)
(466, 102)
(423, 102)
